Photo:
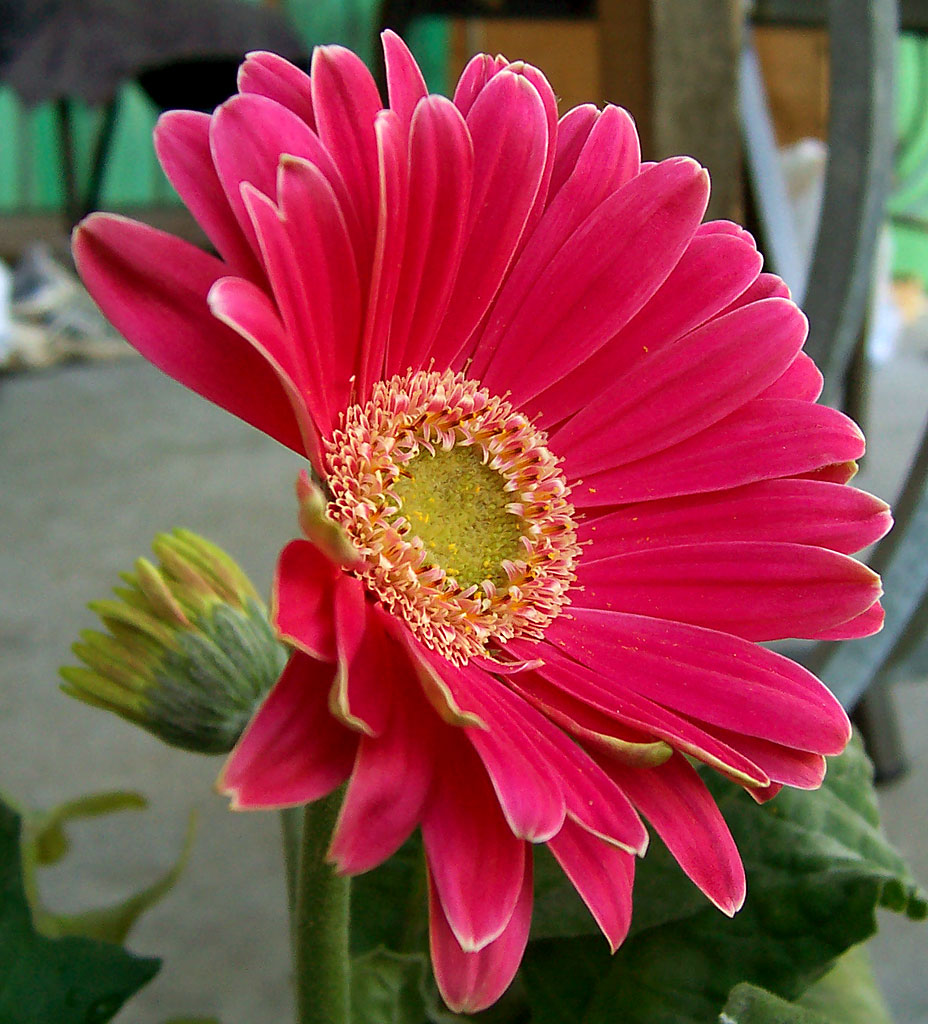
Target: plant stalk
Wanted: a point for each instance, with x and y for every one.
(320, 923)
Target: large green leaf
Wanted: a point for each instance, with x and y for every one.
(818, 866)
(66, 981)
(387, 988)
(749, 1004)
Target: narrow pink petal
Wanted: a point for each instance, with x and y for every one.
(594, 708)
(801, 380)
(405, 83)
(390, 780)
(592, 799)
(676, 802)
(766, 286)
(708, 275)
(509, 129)
(471, 981)
(267, 74)
(831, 473)
(793, 511)
(474, 78)
(865, 624)
(302, 599)
(573, 130)
(800, 769)
(182, 144)
(758, 590)
(152, 287)
(602, 875)
(711, 676)
(549, 100)
(292, 751)
(477, 863)
(392, 213)
(248, 135)
(346, 102)
(441, 168)
(297, 341)
(695, 382)
(245, 308)
(766, 438)
(711, 272)
(589, 285)
(365, 651)
(528, 790)
(726, 227)
(322, 255)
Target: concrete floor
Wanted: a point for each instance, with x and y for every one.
(95, 460)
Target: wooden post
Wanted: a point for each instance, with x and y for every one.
(674, 64)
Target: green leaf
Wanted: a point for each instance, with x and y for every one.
(818, 866)
(389, 905)
(45, 841)
(848, 993)
(749, 1004)
(386, 988)
(67, 981)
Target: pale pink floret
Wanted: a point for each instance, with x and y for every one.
(481, 239)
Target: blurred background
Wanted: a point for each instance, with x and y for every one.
(813, 121)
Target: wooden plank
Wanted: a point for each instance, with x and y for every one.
(795, 65)
(695, 48)
(625, 61)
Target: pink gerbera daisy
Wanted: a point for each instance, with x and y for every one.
(570, 470)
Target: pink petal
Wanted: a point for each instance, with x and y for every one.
(865, 624)
(754, 589)
(694, 383)
(474, 78)
(784, 764)
(441, 167)
(302, 601)
(391, 778)
(602, 875)
(710, 676)
(801, 380)
(476, 862)
(726, 227)
(711, 272)
(573, 130)
(248, 135)
(321, 254)
(359, 698)
(405, 83)
(266, 74)
(594, 708)
(182, 144)
(527, 788)
(292, 751)
(589, 285)
(765, 286)
(764, 439)
(346, 102)
(676, 802)
(825, 515)
(472, 981)
(393, 166)
(509, 129)
(152, 287)
(245, 308)
(546, 93)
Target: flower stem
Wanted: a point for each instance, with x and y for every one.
(320, 928)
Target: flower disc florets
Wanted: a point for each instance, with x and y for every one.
(459, 510)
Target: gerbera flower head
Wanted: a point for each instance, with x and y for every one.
(567, 470)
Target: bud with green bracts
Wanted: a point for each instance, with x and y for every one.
(189, 650)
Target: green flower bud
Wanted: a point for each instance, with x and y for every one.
(190, 651)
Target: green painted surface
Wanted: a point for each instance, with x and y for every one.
(30, 165)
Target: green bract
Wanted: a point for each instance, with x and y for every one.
(189, 650)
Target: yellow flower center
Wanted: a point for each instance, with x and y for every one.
(459, 513)
(458, 507)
